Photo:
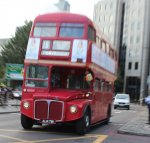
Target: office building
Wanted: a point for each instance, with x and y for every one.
(107, 15)
(136, 37)
(127, 25)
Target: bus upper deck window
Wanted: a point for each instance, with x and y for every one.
(45, 30)
(71, 30)
(91, 33)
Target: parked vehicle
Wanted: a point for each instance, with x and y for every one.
(17, 92)
(122, 100)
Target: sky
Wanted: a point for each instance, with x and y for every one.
(14, 13)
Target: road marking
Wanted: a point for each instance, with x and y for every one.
(21, 131)
(117, 112)
(100, 139)
(17, 139)
(34, 131)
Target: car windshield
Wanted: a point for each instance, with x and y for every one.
(122, 96)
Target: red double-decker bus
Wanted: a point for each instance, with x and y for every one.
(69, 73)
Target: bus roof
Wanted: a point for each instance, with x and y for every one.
(61, 17)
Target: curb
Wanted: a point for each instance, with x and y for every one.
(8, 112)
(13, 108)
(133, 133)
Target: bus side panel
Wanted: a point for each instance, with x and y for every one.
(107, 100)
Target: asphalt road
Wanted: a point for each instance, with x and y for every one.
(11, 131)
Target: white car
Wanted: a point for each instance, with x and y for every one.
(17, 93)
(122, 100)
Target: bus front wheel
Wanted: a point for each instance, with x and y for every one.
(83, 124)
(26, 122)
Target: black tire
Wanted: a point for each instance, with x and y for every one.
(83, 124)
(26, 122)
(115, 107)
(128, 107)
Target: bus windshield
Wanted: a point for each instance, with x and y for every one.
(36, 76)
(71, 30)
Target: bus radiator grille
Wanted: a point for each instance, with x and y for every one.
(48, 110)
(41, 109)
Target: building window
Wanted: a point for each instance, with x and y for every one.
(110, 29)
(137, 39)
(132, 26)
(131, 40)
(105, 6)
(111, 18)
(104, 18)
(133, 13)
(138, 25)
(111, 5)
(100, 7)
(129, 65)
(136, 65)
(105, 30)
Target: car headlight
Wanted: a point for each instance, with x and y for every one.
(73, 109)
(26, 104)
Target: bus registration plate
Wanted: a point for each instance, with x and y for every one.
(48, 122)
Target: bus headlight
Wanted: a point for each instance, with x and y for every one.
(26, 104)
(73, 109)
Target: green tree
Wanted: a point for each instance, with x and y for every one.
(14, 50)
(2, 68)
(119, 82)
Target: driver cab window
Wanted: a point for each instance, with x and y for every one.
(70, 78)
(55, 78)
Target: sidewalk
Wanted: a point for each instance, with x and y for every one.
(138, 125)
(13, 106)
